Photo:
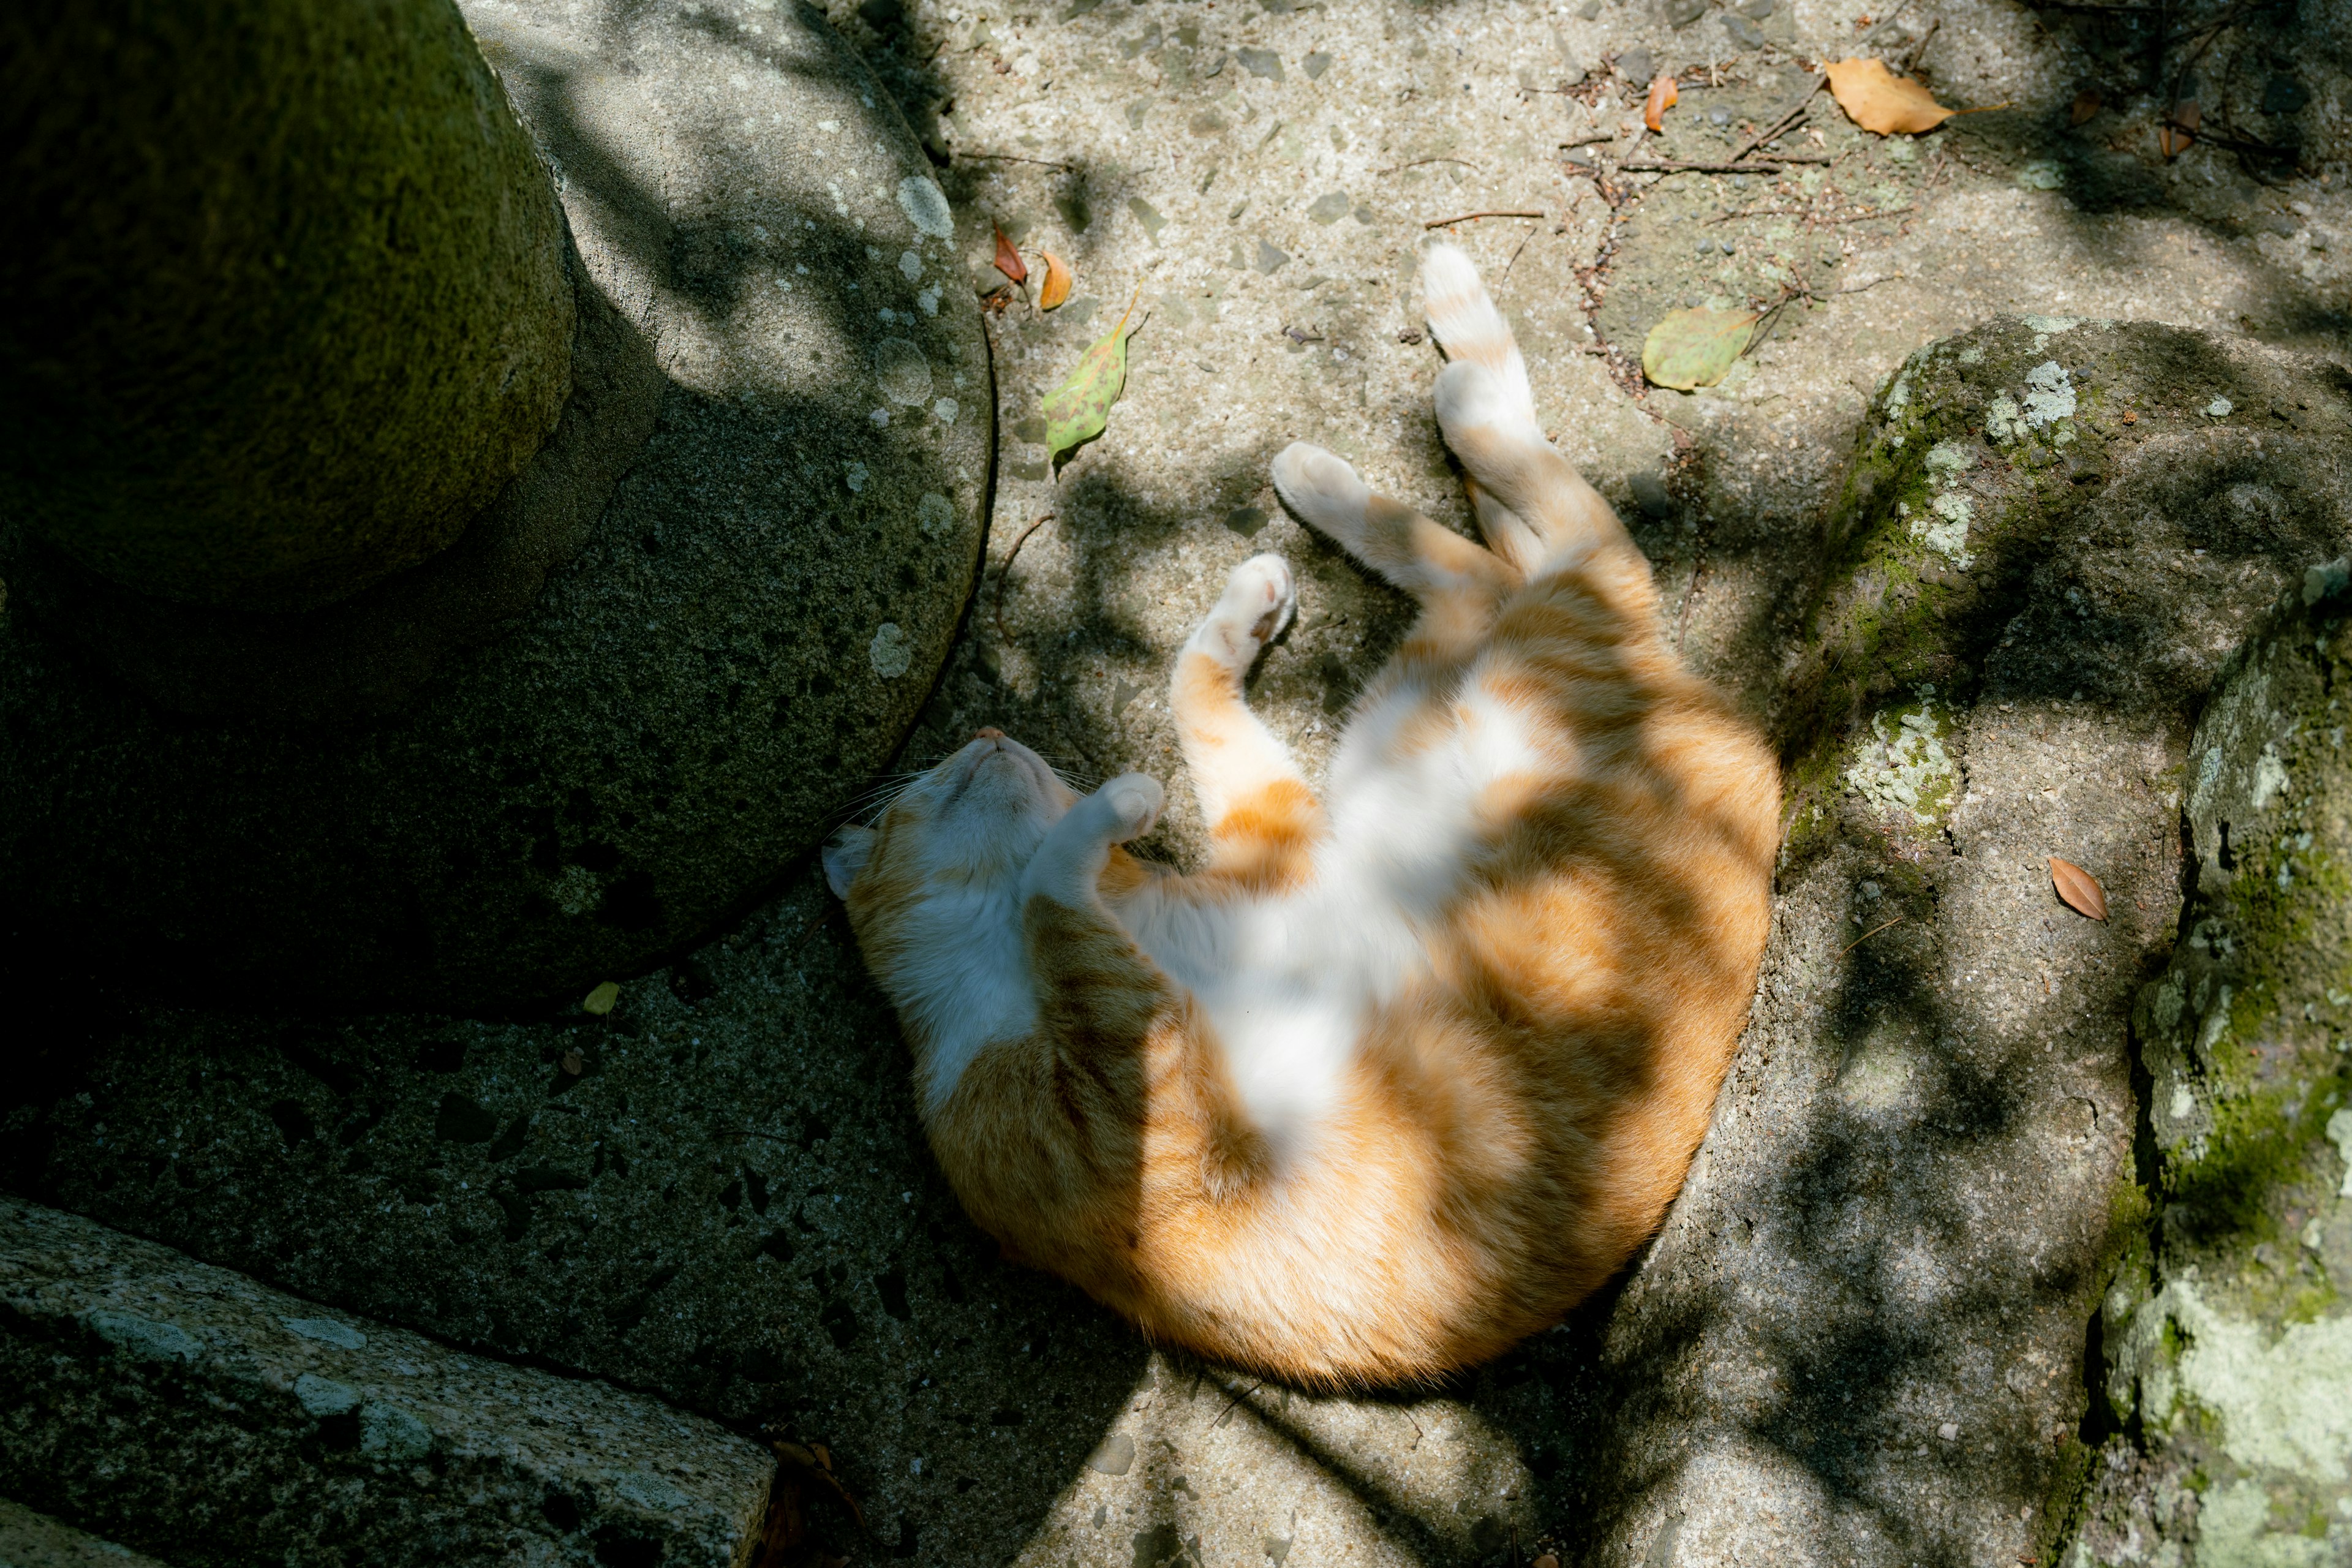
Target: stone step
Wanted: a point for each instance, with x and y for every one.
(186, 1409)
(33, 1540)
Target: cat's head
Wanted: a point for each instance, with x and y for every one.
(970, 824)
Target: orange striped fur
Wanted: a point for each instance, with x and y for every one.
(1404, 1073)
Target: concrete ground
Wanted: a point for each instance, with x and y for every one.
(717, 1194)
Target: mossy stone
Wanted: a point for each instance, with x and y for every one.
(741, 640)
(289, 302)
(2229, 1345)
(2000, 469)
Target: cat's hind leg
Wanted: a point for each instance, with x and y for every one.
(1460, 584)
(1535, 509)
(1262, 817)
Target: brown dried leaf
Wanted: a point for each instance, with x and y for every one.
(1663, 95)
(1056, 287)
(2087, 103)
(2173, 137)
(2078, 890)
(1878, 101)
(1008, 260)
(573, 1064)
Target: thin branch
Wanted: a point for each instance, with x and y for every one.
(1813, 220)
(1513, 261)
(1677, 167)
(1004, 572)
(1465, 217)
(1873, 932)
(1589, 139)
(1417, 163)
(1911, 60)
(1015, 158)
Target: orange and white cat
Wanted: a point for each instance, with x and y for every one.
(1402, 1074)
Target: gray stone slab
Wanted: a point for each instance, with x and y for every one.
(31, 1540)
(190, 1411)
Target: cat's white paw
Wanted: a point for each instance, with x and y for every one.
(1135, 801)
(1260, 598)
(1321, 488)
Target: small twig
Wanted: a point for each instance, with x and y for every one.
(1465, 217)
(1417, 163)
(1236, 1400)
(1513, 261)
(1811, 218)
(1004, 572)
(1682, 621)
(1911, 60)
(1787, 121)
(1865, 936)
(2232, 144)
(1883, 277)
(1015, 158)
(1680, 166)
(1589, 139)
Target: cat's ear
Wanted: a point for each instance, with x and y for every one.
(845, 854)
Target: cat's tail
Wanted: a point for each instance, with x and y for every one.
(1468, 327)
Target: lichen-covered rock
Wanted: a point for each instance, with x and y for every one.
(1860, 1336)
(2149, 486)
(2227, 1340)
(188, 1411)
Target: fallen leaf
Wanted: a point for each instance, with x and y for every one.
(1663, 95)
(574, 1064)
(1008, 260)
(1877, 100)
(2077, 888)
(1077, 410)
(1546, 1561)
(600, 1001)
(1696, 347)
(2180, 129)
(2087, 102)
(1056, 287)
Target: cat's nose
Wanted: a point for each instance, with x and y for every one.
(988, 732)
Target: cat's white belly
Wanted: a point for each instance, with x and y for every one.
(1291, 983)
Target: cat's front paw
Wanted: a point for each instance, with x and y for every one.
(1260, 598)
(1135, 801)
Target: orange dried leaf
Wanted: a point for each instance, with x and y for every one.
(2077, 888)
(1663, 95)
(1008, 260)
(1878, 101)
(2173, 137)
(1056, 287)
(2087, 102)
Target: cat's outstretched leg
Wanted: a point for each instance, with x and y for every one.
(1537, 509)
(1459, 584)
(1260, 813)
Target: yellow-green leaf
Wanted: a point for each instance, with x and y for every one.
(1695, 348)
(1077, 410)
(600, 1001)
